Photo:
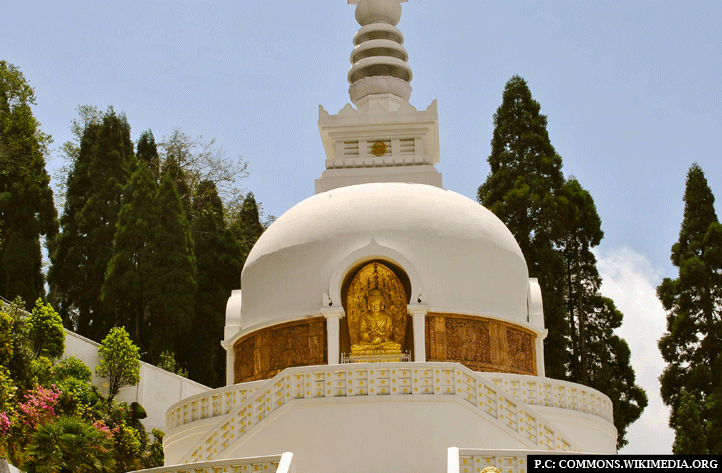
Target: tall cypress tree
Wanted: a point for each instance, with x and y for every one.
(582, 232)
(598, 357)
(691, 346)
(147, 152)
(27, 211)
(129, 271)
(82, 251)
(172, 282)
(247, 225)
(219, 263)
(523, 191)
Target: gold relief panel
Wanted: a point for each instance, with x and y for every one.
(376, 310)
(480, 343)
(469, 340)
(521, 347)
(266, 352)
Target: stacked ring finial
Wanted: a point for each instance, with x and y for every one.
(378, 60)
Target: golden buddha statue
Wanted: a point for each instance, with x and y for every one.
(376, 310)
(376, 327)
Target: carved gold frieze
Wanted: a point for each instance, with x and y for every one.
(376, 311)
(480, 343)
(266, 352)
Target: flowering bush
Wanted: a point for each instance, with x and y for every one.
(39, 406)
(4, 423)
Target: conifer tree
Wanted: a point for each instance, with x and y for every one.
(172, 168)
(556, 224)
(598, 357)
(247, 226)
(173, 281)
(27, 211)
(689, 435)
(219, 263)
(523, 191)
(81, 253)
(583, 232)
(691, 345)
(126, 287)
(147, 152)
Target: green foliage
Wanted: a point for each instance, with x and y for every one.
(219, 264)
(7, 321)
(168, 362)
(70, 445)
(21, 356)
(713, 410)
(81, 253)
(155, 458)
(7, 389)
(72, 367)
(523, 189)
(45, 331)
(27, 211)
(45, 402)
(247, 225)
(173, 280)
(128, 279)
(693, 340)
(689, 434)
(137, 411)
(556, 225)
(119, 361)
(147, 152)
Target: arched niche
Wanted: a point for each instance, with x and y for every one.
(375, 252)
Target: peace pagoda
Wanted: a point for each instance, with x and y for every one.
(385, 323)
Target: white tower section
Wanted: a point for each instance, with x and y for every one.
(383, 139)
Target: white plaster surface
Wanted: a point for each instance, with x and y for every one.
(466, 259)
(379, 435)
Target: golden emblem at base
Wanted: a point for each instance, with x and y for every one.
(378, 148)
(491, 469)
(376, 307)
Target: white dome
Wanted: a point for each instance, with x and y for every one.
(460, 258)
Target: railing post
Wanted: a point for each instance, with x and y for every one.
(418, 313)
(452, 460)
(333, 317)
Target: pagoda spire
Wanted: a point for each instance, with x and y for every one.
(383, 139)
(378, 60)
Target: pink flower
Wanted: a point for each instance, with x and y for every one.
(39, 405)
(4, 423)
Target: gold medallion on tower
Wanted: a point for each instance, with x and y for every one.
(379, 148)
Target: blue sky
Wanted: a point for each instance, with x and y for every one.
(632, 92)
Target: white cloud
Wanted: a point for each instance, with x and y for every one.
(631, 281)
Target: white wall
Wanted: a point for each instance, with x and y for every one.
(157, 391)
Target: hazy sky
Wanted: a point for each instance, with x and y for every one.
(631, 89)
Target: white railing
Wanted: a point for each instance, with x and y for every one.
(530, 390)
(268, 464)
(470, 460)
(381, 379)
(554, 393)
(215, 403)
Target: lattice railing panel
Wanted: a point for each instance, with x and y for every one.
(555, 393)
(390, 379)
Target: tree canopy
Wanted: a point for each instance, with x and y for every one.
(523, 190)
(119, 361)
(27, 211)
(556, 224)
(693, 341)
(82, 251)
